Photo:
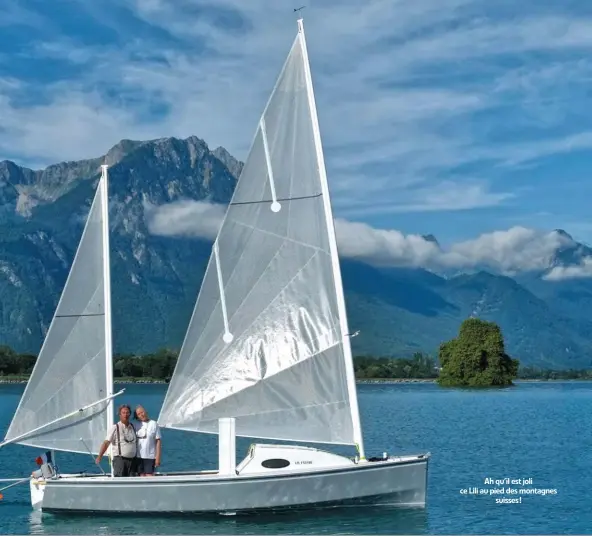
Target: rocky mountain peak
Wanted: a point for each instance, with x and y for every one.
(570, 252)
(120, 150)
(431, 238)
(563, 234)
(234, 166)
(164, 169)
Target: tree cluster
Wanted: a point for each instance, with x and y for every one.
(13, 364)
(157, 366)
(536, 373)
(477, 357)
(419, 366)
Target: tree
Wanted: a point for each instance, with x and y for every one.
(8, 361)
(477, 357)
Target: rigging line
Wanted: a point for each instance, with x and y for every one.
(271, 200)
(276, 235)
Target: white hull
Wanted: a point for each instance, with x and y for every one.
(395, 480)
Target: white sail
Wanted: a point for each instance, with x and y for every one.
(65, 404)
(265, 343)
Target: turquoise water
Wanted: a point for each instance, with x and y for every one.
(533, 430)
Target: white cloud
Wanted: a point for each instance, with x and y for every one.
(484, 38)
(386, 247)
(578, 271)
(440, 196)
(396, 84)
(512, 251)
(14, 15)
(73, 125)
(185, 218)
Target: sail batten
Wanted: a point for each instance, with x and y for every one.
(67, 399)
(270, 282)
(227, 337)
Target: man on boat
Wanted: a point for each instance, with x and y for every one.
(122, 436)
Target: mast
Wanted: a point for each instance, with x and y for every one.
(107, 299)
(349, 366)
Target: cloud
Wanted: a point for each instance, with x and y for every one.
(440, 196)
(578, 271)
(184, 218)
(384, 247)
(414, 97)
(15, 15)
(522, 34)
(511, 251)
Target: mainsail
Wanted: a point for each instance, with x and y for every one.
(266, 343)
(67, 400)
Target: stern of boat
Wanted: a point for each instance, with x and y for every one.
(46, 471)
(37, 489)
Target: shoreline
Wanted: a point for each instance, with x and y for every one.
(148, 382)
(374, 381)
(129, 380)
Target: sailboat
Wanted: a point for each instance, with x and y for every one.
(266, 354)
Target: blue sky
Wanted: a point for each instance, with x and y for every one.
(451, 117)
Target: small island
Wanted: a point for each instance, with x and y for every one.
(477, 357)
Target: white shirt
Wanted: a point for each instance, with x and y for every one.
(126, 446)
(148, 432)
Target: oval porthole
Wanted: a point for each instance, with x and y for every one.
(275, 463)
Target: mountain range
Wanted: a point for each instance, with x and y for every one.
(155, 279)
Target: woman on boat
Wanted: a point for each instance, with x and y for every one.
(149, 443)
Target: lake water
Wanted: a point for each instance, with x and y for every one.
(537, 431)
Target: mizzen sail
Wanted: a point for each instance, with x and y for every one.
(66, 401)
(265, 343)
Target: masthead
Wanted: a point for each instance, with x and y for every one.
(298, 10)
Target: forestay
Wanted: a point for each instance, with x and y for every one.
(70, 372)
(264, 344)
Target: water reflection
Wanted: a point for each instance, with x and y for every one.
(36, 522)
(341, 520)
